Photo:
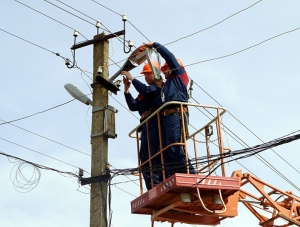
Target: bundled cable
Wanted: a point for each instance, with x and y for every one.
(234, 155)
(24, 182)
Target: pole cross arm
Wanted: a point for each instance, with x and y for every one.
(90, 180)
(92, 41)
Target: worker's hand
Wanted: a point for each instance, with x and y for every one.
(126, 84)
(127, 75)
(159, 82)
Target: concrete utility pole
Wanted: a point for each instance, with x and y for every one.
(103, 127)
(98, 139)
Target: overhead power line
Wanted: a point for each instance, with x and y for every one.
(40, 112)
(186, 65)
(215, 23)
(106, 29)
(234, 155)
(76, 10)
(49, 17)
(249, 131)
(48, 156)
(238, 154)
(21, 183)
(47, 138)
(262, 147)
(245, 145)
(57, 54)
(237, 52)
(252, 46)
(69, 12)
(121, 16)
(38, 165)
(107, 8)
(138, 30)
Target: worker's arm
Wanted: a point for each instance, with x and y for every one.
(142, 88)
(170, 59)
(132, 103)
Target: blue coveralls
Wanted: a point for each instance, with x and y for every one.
(144, 102)
(174, 89)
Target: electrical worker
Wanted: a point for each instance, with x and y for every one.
(144, 104)
(174, 89)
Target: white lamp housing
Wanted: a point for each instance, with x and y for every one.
(78, 94)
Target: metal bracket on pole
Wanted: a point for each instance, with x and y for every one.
(109, 134)
(105, 83)
(90, 180)
(108, 107)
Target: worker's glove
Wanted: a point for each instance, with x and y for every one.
(159, 82)
(126, 84)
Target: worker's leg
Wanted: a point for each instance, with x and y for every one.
(176, 162)
(154, 147)
(144, 157)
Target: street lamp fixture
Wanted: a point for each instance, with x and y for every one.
(78, 94)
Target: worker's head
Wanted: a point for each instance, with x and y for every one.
(149, 77)
(166, 70)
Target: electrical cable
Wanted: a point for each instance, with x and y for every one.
(50, 17)
(80, 13)
(246, 128)
(215, 23)
(125, 191)
(238, 154)
(119, 38)
(69, 12)
(40, 112)
(47, 138)
(130, 180)
(104, 199)
(232, 135)
(237, 52)
(76, 10)
(258, 157)
(121, 16)
(265, 41)
(259, 148)
(21, 182)
(246, 152)
(57, 20)
(40, 153)
(106, 7)
(124, 182)
(43, 111)
(257, 2)
(29, 42)
(57, 54)
(124, 107)
(138, 31)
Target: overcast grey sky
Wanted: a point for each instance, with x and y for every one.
(248, 63)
